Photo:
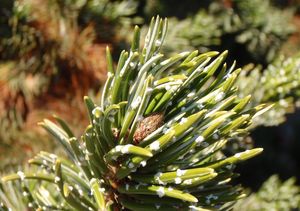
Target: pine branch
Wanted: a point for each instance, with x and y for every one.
(156, 140)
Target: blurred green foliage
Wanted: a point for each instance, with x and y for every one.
(273, 195)
(255, 27)
(278, 84)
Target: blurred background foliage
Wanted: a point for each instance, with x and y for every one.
(273, 195)
(52, 53)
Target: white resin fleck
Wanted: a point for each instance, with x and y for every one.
(45, 192)
(183, 120)
(125, 149)
(160, 192)
(131, 165)
(118, 148)
(199, 139)
(188, 182)
(167, 87)
(191, 94)
(238, 155)
(220, 96)
(215, 136)
(178, 180)
(136, 102)
(193, 208)
(131, 64)
(21, 175)
(53, 156)
(143, 163)
(180, 172)
(97, 112)
(80, 192)
(158, 43)
(154, 146)
(157, 175)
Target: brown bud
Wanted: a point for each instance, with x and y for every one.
(148, 125)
